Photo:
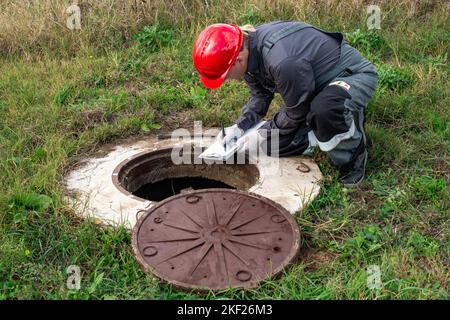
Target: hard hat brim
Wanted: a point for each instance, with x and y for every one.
(213, 83)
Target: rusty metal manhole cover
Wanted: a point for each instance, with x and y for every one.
(215, 239)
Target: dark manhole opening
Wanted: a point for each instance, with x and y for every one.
(153, 176)
(163, 189)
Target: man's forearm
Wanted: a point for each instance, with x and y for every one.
(255, 109)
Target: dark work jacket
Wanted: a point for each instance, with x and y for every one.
(291, 67)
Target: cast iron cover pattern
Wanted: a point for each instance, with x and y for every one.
(215, 239)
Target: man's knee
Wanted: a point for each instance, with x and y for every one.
(327, 115)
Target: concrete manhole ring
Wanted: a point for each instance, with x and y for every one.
(215, 239)
(111, 187)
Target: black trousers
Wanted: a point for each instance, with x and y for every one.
(327, 118)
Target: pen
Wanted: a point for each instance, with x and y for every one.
(223, 136)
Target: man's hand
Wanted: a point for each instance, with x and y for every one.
(231, 135)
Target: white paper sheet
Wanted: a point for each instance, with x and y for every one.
(216, 150)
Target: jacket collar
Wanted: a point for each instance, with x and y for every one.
(253, 65)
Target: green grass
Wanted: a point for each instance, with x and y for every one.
(57, 105)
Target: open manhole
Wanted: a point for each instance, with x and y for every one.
(111, 184)
(215, 239)
(153, 176)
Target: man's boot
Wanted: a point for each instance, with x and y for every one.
(352, 173)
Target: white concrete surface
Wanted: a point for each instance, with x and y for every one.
(91, 192)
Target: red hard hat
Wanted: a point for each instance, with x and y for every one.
(215, 51)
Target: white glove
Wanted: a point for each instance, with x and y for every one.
(231, 135)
